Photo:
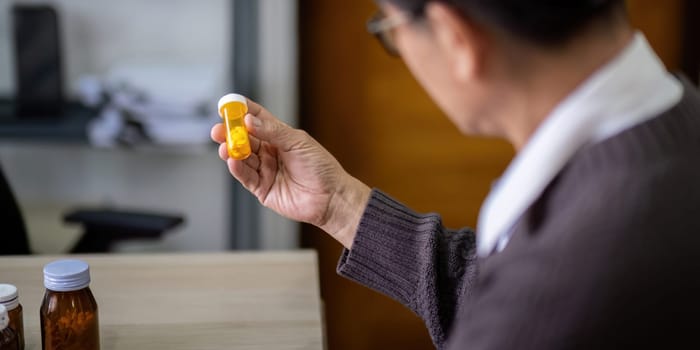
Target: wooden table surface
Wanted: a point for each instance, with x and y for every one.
(189, 301)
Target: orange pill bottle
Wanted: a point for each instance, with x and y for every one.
(232, 108)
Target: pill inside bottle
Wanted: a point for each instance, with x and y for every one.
(232, 108)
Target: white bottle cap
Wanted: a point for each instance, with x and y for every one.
(8, 296)
(66, 275)
(4, 318)
(231, 98)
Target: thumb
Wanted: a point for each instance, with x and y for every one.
(271, 130)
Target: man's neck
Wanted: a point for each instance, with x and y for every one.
(545, 78)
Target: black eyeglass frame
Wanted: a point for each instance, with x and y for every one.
(382, 27)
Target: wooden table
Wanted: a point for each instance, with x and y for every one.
(189, 301)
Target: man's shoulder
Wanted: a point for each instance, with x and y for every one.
(647, 166)
(640, 182)
(623, 198)
(629, 191)
(611, 244)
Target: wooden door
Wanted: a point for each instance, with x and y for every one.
(662, 23)
(367, 109)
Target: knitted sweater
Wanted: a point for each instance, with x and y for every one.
(608, 257)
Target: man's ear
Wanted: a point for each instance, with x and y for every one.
(458, 39)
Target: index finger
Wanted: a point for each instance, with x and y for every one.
(218, 133)
(253, 107)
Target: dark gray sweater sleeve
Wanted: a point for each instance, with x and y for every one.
(414, 259)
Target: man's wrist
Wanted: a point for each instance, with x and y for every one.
(345, 211)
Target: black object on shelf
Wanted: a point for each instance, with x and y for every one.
(38, 64)
(39, 110)
(103, 227)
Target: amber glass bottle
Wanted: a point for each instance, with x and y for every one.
(69, 310)
(10, 299)
(8, 338)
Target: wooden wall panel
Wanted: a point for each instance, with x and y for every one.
(367, 109)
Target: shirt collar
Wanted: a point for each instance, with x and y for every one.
(632, 88)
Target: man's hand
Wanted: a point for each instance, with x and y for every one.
(292, 174)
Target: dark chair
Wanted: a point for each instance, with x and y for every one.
(14, 238)
(101, 227)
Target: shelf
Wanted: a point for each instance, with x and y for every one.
(69, 127)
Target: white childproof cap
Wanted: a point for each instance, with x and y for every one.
(66, 275)
(231, 98)
(8, 296)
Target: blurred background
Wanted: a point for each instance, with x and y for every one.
(105, 110)
(108, 105)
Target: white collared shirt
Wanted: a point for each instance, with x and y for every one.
(631, 89)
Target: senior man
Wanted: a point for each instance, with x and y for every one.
(589, 240)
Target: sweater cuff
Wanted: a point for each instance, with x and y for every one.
(386, 251)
